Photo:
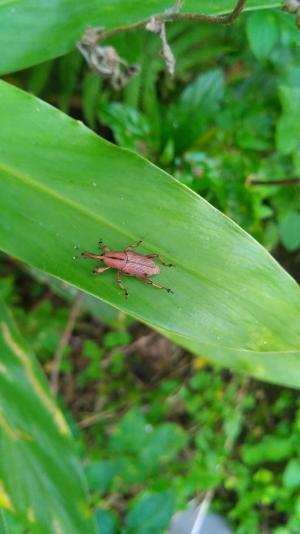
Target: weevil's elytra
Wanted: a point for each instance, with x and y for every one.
(129, 263)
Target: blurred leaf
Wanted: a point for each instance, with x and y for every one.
(191, 48)
(100, 474)
(9, 523)
(291, 475)
(106, 522)
(115, 339)
(271, 235)
(270, 449)
(163, 443)
(37, 456)
(90, 97)
(92, 371)
(91, 350)
(69, 67)
(196, 105)
(233, 425)
(141, 448)
(38, 77)
(130, 127)
(289, 230)
(151, 514)
(263, 33)
(64, 186)
(255, 132)
(130, 433)
(288, 125)
(32, 32)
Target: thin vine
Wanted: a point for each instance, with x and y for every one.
(172, 16)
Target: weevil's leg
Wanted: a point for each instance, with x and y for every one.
(103, 247)
(91, 255)
(148, 281)
(121, 284)
(160, 259)
(99, 270)
(137, 244)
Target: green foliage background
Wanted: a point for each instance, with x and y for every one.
(227, 126)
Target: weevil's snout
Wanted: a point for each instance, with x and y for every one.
(91, 255)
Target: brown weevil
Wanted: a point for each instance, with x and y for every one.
(129, 263)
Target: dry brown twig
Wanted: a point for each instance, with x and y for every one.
(173, 15)
(156, 26)
(105, 60)
(64, 340)
(252, 180)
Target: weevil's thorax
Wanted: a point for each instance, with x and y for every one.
(116, 260)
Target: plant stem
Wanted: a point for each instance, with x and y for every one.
(172, 17)
(287, 181)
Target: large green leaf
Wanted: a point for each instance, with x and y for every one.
(40, 478)
(62, 186)
(32, 32)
